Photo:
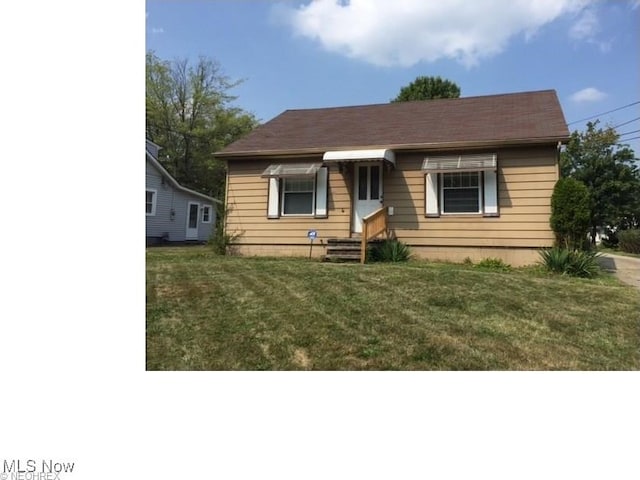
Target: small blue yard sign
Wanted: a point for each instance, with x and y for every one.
(312, 234)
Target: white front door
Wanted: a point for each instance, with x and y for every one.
(367, 192)
(192, 221)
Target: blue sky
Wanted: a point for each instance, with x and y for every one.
(325, 53)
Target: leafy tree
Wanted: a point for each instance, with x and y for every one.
(428, 88)
(188, 113)
(570, 213)
(608, 169)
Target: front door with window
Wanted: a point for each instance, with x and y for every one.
(192, 221)
(367, 192)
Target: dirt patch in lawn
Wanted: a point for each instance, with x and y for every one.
(300, 358)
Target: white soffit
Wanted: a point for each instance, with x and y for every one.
(360, 155)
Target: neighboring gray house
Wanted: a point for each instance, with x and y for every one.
(174, 213)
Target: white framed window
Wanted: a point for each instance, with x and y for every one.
(152, 196)
(297, 190)
(298, 195)
(206, 214)
(461, 192)
(461, 185)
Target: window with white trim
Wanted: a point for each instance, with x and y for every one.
(152, 195)
(297, 190)
(206, 214)
(297, 195)
(461, 192)
(461, 185)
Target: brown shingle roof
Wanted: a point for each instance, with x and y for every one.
(516, 118)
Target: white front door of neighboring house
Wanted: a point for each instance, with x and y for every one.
(367, 192)
(192, 221)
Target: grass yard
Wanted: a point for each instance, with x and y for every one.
(207, 312)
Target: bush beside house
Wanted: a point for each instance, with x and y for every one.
(629, 241)
(570, 213)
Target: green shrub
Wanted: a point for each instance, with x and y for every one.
(570, 213)
(390, 250)
(584, 264)
(555, 259)
(493, 264)
(576, 263)
(220, 240)
(629, 241)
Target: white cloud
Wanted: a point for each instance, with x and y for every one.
(587, 95)
(405, 32)
(586, 29)
(586, 26)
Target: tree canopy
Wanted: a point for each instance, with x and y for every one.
(428, 88)
(609, 171)
(189, 114)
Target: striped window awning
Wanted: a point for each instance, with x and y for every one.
(360, 156)
(291, 170)
(454, 163)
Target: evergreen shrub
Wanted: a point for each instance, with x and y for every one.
(570, 213)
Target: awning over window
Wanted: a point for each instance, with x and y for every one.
(359, 156)
(454, 163)
(291, 170)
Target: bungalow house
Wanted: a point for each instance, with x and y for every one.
(452, 178)
(174, 213)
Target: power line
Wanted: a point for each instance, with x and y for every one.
(632, 138)
(604, 113)
(625, 123)
(627, 133)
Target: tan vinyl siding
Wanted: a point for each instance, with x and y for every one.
(247, 198)
(526, 178)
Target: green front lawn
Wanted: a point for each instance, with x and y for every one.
(206, 312)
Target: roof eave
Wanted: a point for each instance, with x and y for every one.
(174, 183)
(399, 147)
